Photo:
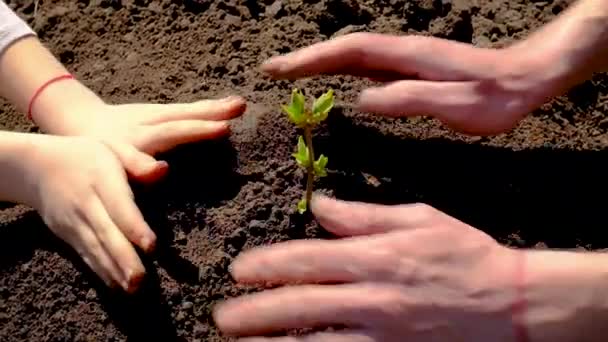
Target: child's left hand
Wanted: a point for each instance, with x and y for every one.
(136, 132)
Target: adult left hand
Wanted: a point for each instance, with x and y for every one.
(400, 273)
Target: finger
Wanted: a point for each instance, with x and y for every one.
(338, 336)
(468, 107)
(105, 275)
(356, 218)
(140, 166)
(404, 98)
(362, 53)
(87, 245)
(116, 246)
(306, 307)
(219, 110)
(117, 198)
(165, 136)
(318, 261)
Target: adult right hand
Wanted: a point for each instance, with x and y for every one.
(413, 273)
(473, 90)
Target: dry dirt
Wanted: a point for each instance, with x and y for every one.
(526, 187)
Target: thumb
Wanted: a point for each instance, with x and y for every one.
(140, 166)
(357, 218)
(468, 107)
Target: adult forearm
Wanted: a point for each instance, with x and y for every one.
(16, 153)
(574, 46)
(566, 296)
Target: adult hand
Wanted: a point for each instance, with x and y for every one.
(136, 132)
(412, 273)
(402, 273)
(474, 90)
(80, 189)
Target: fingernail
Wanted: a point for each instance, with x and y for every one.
(156, 165)
(162, 167)
(232, 98)
(274, 64)
(223, 308)
(368, 99)
(111, 284)
(134, 282)
(367, 94)
(316, 199)
(148, 244)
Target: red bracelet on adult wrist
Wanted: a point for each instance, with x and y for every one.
(42, 88)
(520, 305)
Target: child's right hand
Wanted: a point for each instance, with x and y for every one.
(80, 189)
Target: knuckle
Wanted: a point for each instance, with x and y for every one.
(386, 264)
(356, 43)
(84, 204)
(426, 211)
(358, 37)
(392, 302)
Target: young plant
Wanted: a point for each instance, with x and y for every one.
(306, 119)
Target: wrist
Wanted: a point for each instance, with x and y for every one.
(565, 296)
(64, 107)
(18, 169)
(60, 106)
(570, 49)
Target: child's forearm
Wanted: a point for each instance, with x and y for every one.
(16, 153)
(574, 45)
(26, 65)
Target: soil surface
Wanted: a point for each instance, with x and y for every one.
(526, 187)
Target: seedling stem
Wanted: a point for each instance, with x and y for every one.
(311, 169)
(307, 119)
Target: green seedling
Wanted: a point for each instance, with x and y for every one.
(306, 119)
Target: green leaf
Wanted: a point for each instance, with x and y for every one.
(301, 155)
(302, 206)
(319, 166)
(322, 106)
(295, 109)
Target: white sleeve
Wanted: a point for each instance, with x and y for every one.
(12, 27)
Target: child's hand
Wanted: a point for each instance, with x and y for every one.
(80, 189)
(136, 132)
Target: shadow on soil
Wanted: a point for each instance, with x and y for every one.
(203, 174)
(554, 196)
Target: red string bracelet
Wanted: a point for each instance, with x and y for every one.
(520, 305)
(41, 89)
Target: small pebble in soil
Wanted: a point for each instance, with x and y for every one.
(273, 10)
(173, 293)
(257, 228)
(235, 241)
(91, 295)
(187, 305)
(180, 237)
(205, 273)
(200, 330)
(263, 210)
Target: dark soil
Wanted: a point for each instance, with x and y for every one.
(526, 188)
